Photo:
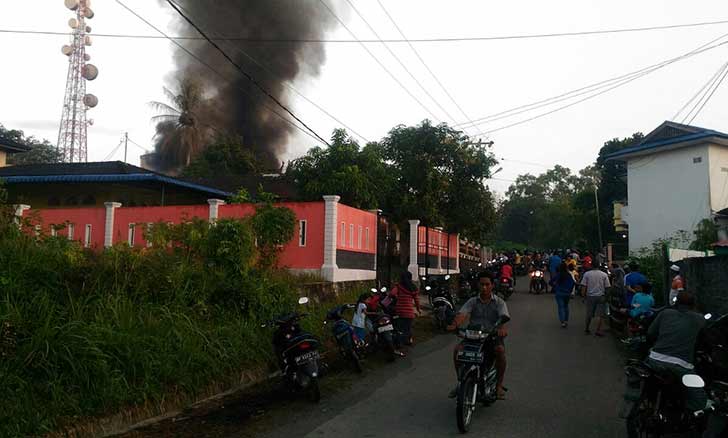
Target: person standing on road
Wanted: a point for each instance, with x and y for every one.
(594, 286)
(677, 284)
(563, 285)
(554, 262)
(407, 306)
(485, 310)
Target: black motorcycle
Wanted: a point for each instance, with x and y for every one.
(504, 288)
(538, 281)
(477, 376)
(443, 309)
(351, 348)
(383, 333)
(297, 353)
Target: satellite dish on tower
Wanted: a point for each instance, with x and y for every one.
(67, 50)
(71, 4)
(87, 40)
(88, 13)
(90, 72)
(88, 28)
(86, 57)
(90, 100)
(91, 122)
(73, 23)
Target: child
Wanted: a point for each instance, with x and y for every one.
(360, 316)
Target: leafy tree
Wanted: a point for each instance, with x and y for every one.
(182, 129)
(41, 151)
(706, 234)
(359, 175)
(440, 174)
(225, 156)
(273, 227)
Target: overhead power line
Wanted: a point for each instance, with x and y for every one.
(427, 110)
(211, 68)
(707, 99)
(244, 73)
(692, 99)
(604, 86)
(405, 40)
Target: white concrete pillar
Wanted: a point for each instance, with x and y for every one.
(374, 233)
(214, 209)
(109, 223)
(329, 268)
(19, 209)
(414, 225)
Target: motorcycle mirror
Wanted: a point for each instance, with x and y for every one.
(693, 381)
(303, 300)
(708, 315)
(447, 277)
(427, 288)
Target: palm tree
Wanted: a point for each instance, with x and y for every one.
(181, 133)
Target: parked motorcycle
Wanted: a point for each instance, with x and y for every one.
(443, 309)
(383, 332)
(351, 348)
(477, 376)
(504, 288)
(297, 353)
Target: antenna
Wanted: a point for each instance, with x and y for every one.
(72, 131)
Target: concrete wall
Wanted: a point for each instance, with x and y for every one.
(707, 277)
(718, 164)
(667, 192)
(3, 159)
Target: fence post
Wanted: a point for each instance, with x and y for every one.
(109, 223)
(413, 267)
(19, 210)
(329, 268)
(214, 209)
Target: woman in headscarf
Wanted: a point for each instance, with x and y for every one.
(407, 306)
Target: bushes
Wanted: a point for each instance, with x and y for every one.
(85, 333)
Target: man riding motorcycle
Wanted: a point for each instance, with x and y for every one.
(486, 309)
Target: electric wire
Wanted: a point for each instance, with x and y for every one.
(113, 151)
(427, 67)
(138, 145)
(711, 80)
(586, 89)
(289, 86)
(427, 110)
(244, 73)
(715, 88)
(399, 61)
(212, 69)
(412, 40)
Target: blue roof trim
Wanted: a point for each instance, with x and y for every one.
(113, 178)
(657, 144)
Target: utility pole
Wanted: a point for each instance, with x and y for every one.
(599, 222)
(126, 144)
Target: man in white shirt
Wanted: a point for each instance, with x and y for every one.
(594, 286)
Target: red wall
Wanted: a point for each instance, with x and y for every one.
(140, 216)
(434, 242)
(359, 218)
(79, 217)
(293, 255)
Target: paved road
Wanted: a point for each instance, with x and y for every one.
(562, 383)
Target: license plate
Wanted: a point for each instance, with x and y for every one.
(308, 357)
(469, 356)
(386, 328)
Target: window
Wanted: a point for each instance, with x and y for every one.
(87, 236)
(131, 234)
(302, 233)
(360, 236)
(148, 235)
(367, 239)
(697, 160)
(37, 230)
(351, 235)
(343, 234)
(53, 230)
(70, 231)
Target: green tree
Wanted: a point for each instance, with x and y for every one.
(359, 175)
(41, 151)
(706, 234)
(226, 156)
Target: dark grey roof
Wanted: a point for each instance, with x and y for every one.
(96, 168)
(12, 146)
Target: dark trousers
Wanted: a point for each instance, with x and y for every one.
(403, 326)
(562, 302)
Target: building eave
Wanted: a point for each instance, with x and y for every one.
(669, 145)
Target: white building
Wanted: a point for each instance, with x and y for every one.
(676, 177)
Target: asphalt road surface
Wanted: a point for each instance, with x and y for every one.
(562, 383)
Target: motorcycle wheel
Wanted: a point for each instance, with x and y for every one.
(356, 362)
(466, 400)
(637, 421)
(389, 347)
(314, 392)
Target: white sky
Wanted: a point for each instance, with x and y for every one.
(484, 77)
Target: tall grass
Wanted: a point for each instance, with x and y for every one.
(85, 333)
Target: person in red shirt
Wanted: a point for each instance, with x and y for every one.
(407, 306)
(507, 272)
(586, 262)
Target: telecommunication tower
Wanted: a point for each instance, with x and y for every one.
(72, 132)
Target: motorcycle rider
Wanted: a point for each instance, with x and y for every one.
(676, 332)
(506, 271)
(486, 309)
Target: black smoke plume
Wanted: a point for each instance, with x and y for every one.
(240, 108)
